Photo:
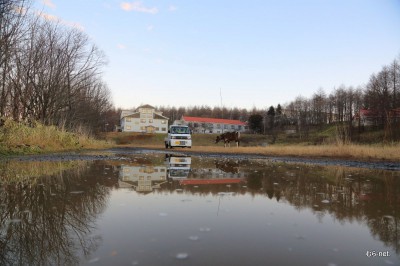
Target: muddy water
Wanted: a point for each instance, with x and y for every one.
(176, 210)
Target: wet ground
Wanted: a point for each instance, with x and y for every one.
(144, 207)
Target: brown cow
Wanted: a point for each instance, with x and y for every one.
(228, 137)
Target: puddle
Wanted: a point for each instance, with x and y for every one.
(161, 209)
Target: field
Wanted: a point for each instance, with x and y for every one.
(16, 138)
(260, 144)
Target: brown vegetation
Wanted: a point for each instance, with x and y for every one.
(258, 144)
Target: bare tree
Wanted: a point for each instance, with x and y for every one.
(56, 77)
(12, 16)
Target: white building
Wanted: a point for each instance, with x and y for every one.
(144, 119)
(212, 125)
(142, 178)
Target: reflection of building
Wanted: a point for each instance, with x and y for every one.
(144, 119)
(142, 178)
(178, 166)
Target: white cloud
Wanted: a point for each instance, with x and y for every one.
(53, 18)
(49, 17)
(172, 8)
(121, 46)
(139, 7)
(49, 3)
(74, 25)
(150, 27)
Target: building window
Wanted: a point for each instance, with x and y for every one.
(226, 126)
(128, 127)
(240, 127)
(163, 129)
(142, 128)
(232, 126)
(142, 120)
(218, 125)
(157, 129)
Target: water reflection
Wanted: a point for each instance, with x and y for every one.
(178, 166)
(49, 211)
(49, 219)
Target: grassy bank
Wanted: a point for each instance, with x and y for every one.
(259, 144)
(17, 138)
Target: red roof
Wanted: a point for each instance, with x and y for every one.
(212, 120)
(210, 181)
(373, 113)
(366, 112)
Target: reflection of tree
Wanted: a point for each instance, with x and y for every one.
(365, 196)
(347, 194)
(51, 221)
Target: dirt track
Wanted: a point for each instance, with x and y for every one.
(122, 153)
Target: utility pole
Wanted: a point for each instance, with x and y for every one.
(222, 109)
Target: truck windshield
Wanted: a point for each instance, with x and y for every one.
(180, 130)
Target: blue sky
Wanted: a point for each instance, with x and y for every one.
(257, 52)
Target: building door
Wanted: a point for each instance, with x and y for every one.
(150, 129)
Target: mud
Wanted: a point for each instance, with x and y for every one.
(122, 153)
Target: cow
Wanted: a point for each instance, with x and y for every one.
(228, 137)
(232, 167)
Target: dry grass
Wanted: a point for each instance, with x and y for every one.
(252, 144)
(16, 138)
(351, 151)
(26, 171)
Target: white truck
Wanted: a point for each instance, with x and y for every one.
(178, 136)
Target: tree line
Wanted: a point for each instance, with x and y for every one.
(49, 72)
(380, 96)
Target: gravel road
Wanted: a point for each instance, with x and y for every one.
(122, 153)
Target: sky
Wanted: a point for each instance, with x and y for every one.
(244, 54)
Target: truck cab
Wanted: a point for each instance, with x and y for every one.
(178, 136)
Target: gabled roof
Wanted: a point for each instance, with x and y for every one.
(368, 113)
(146, 106)
(376, 114)
(137, 115)
(395, 112)
(158, 116)
(134, 115)
(126, 113)
(212, 120)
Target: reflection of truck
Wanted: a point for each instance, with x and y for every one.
(178, 166)
(178, 136)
